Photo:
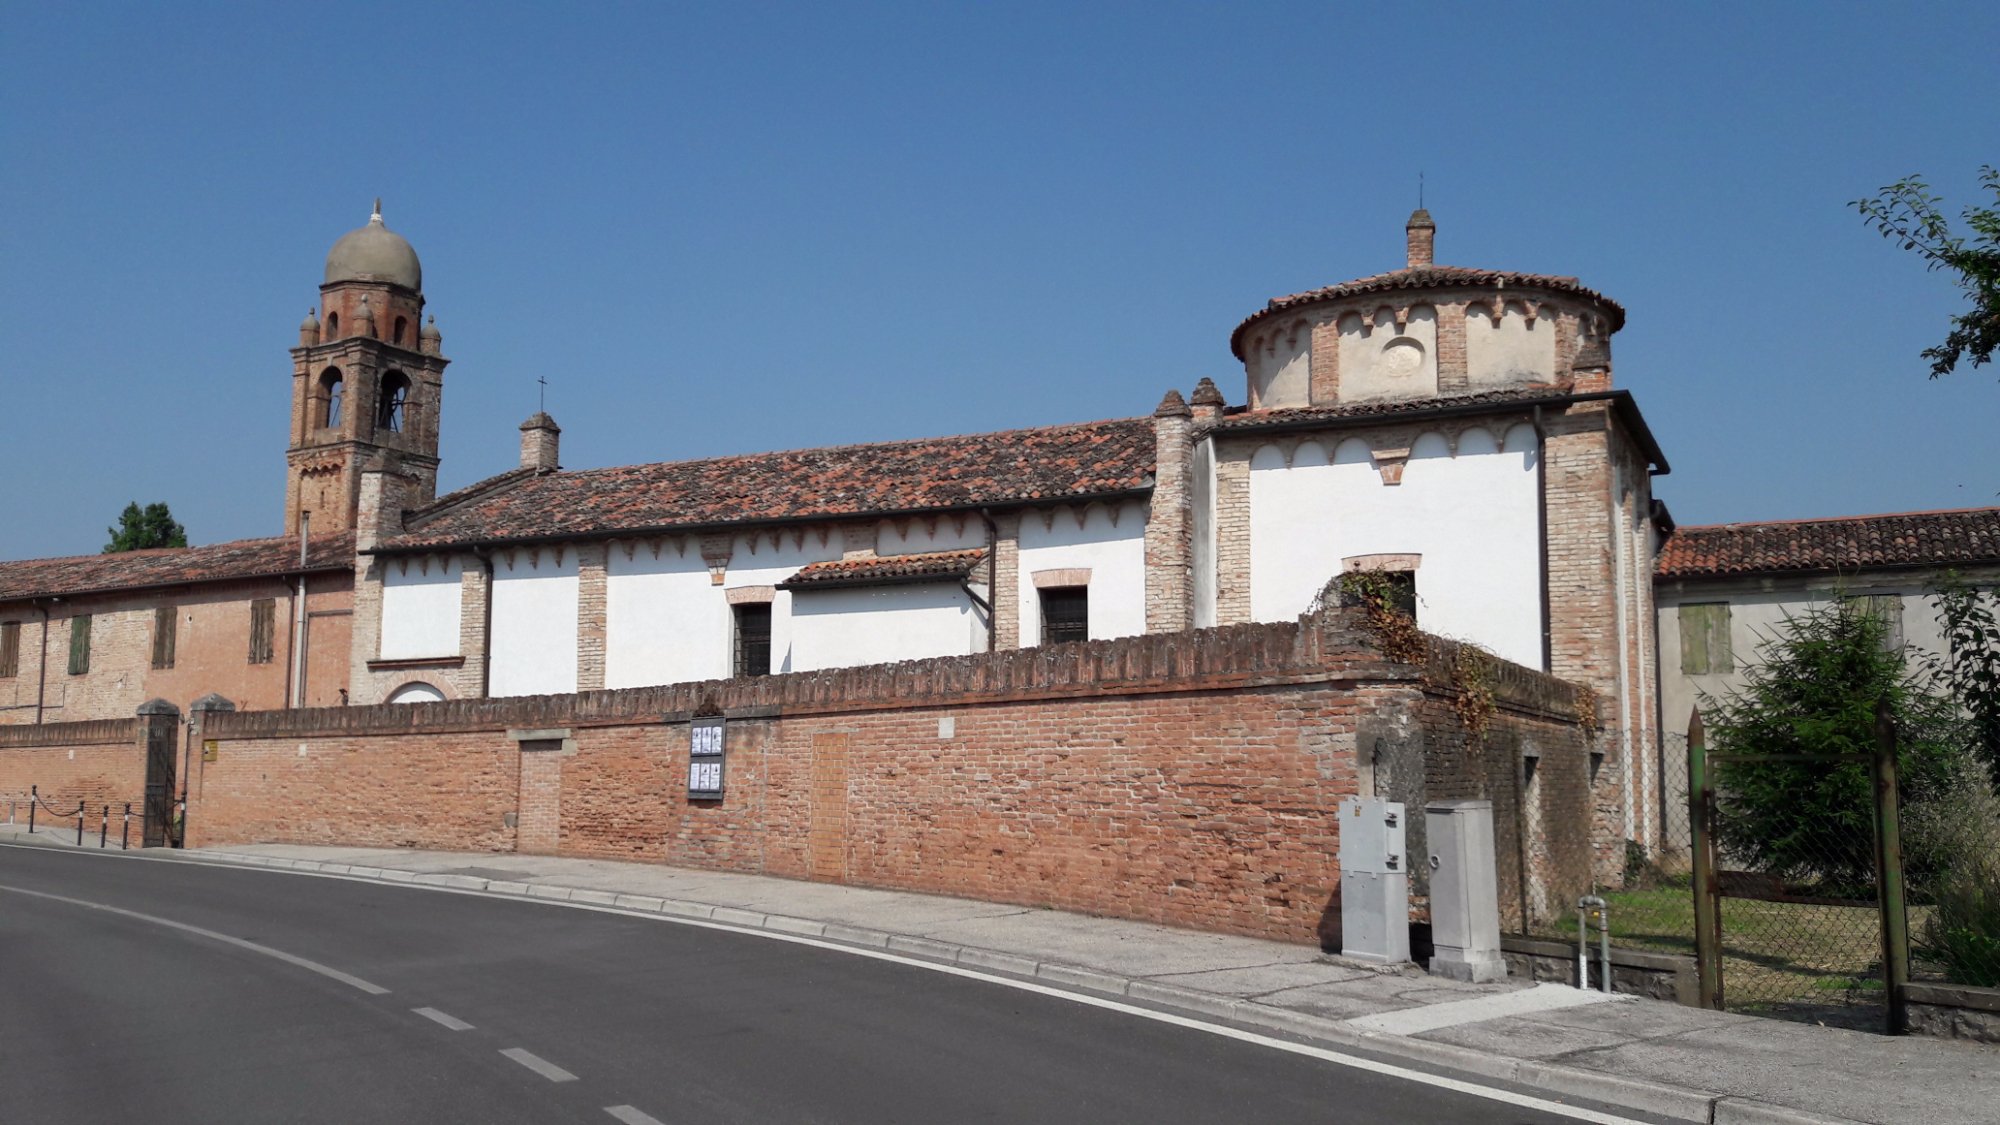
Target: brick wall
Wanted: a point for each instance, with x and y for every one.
(102, 762)
(1191, 779)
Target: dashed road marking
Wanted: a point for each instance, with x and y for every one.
(538, 1064)
(632, 1116)
(253, 947)
(435, 1016)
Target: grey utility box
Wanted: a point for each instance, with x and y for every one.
(1465, 891)
(1374, 882)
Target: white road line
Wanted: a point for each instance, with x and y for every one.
(1355, 1062)
(539, 1065)
(435, 1016)
(279, 954)
(632, 1116)
(1543, 997)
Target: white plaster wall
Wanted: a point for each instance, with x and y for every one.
(882, 624)
(666, 622)
(533, 646)
(1515, 351)
(1115, 552)
(1279, 365)
(1472, 517)
(948, 533)
(1201, 502)
(1377, 362)
(420, 608)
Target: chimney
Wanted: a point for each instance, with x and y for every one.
(539, 438)
(1421, 235)
(1207, 402)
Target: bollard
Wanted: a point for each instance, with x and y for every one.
(34, 798)
(125, 834)
(104, 827)
(79, 823)
(1585, 907)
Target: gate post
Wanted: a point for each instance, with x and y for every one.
(1889, 870)
(198, 717)
(1707, 887)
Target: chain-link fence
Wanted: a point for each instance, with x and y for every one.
(1951, 859)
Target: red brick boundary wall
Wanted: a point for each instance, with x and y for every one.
(100, 762)
(1189, 778)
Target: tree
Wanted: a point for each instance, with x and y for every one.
(1907, 212)
(140, 529)
(1969, 621)
(1794, 795)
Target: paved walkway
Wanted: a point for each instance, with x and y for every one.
(1649, 1056)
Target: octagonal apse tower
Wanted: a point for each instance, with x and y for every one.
(367, 381)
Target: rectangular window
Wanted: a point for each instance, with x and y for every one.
(79, 644)
(165, 626)
(1065, 614)
(1888, 609)
(10, 649)
(753, 640)
(1705, 639)
(263, 629)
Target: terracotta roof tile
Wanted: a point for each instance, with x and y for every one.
(171, 566)
(1254, 419)
(1943, 538)
(1429, 277)
(933, 474)
(887, 570)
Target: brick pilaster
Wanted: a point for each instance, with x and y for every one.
(1169, 559)
(475, 592)
(1232, 534)
(1006, 592)
(590, 616)
(1453, 368)
(1326, 361)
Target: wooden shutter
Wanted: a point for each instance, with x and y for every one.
(263, 629)
(79, 644)
(1705, 646)
(165, 621)
(10, 649)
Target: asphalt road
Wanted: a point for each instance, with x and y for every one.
(287, 998)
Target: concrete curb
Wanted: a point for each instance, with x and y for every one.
(1639, 1095)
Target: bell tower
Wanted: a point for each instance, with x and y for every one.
(367, 381)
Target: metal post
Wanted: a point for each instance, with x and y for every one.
(1889, 871)
(125, 833)
(104, 827)
(1707, 887)
(79, 822)
(1604, 946)
(34, 798)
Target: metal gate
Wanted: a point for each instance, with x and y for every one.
(1810, 925)
(162, 730)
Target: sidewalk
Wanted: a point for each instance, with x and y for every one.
(1648, 1056)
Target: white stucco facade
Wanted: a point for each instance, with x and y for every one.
(1108, 542)
(1470, 514)
(1381, 359)
(1517, 349)
(534, 608)
(839, 628)
(420, 607)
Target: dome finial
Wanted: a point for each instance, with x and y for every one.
(376, 215)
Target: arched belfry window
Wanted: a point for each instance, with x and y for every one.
(331, 390)
(402, 327)
(389, 409)
(332, 326)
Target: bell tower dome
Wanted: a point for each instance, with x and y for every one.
(367, 382)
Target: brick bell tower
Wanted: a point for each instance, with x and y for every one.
(367, 381)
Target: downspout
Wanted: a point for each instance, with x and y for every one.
(485, 557)
(992, 580)
(295, 692)
(42, 672)
(1542, 538)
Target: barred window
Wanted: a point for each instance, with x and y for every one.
(263, 629)
(753, 640)
(1065, 614)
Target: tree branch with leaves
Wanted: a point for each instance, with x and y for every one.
(1906, 212)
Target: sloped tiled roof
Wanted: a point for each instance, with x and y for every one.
(886, 570)
(933, 474)
(1944, 538)
(1429, 277)
(171, 566)
(1256, 419)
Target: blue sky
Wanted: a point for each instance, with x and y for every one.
(726, 228)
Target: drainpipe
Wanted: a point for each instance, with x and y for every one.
(485, 557)
(992, 579)
(295, 694)
(42, 674)
(1542, 538)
